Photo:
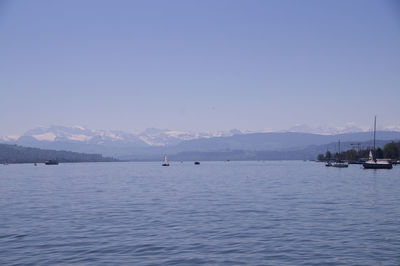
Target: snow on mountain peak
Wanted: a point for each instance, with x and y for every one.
(162, 137)
(48, 136)
(79, 127)
(74, 133)
(328, 129)
(9, 138)
(393, 128)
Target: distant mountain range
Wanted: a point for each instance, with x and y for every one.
(305, 153)
(149, 137)
(153, 143)
(106, 142)
(264, 146)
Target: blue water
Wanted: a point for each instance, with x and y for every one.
(217, 213)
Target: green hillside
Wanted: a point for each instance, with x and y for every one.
(19, 154)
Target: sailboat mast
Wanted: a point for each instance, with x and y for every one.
(374, 132)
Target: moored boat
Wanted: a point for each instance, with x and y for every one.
(51, 162)
(165, 162)
(373, 163)
(376, 164)
(339, 163)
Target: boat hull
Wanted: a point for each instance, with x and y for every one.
(340, 165)
(51, 162)
(377, 166)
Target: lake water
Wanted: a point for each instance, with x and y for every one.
(216, 213)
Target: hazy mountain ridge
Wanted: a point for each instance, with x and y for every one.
(300, 153)
(81, 134)
(334, 130)
(152, 143)
(264, 146)
(166, 137)
(162, 137)
(328, 130)
(149, 137)
(278, 141)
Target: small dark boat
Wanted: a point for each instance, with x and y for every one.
(328, 164)
(51, 162)
(196, 163)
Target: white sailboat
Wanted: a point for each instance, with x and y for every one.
(374, 163)
(165, 162)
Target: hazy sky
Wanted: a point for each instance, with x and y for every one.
(198, 65)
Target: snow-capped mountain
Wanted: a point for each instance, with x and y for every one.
(161, 137)
(329, 130)
(165, 137)
(80, 134)
(8, 138)
(149, 137)
(342, 129)
(157, 137)
(153, 143)
(393, 128)
(79, 139)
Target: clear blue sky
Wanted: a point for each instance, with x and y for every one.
(198, 65)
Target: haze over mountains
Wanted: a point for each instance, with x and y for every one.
(149, 137)
(162, 137)
(181, 145)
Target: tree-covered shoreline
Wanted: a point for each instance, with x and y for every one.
(390, 151)
(19, 154)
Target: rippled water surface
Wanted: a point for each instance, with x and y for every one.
(220, 213)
